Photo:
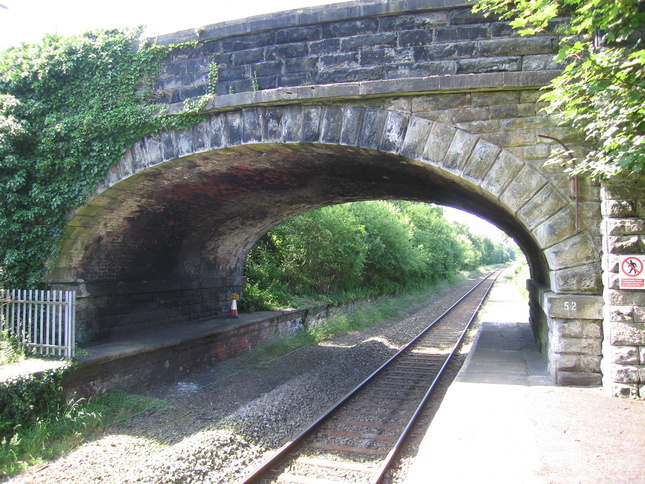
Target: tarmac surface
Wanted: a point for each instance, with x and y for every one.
(503, 421)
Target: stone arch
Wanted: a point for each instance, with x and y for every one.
(173, 221)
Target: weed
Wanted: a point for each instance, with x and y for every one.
(59, 434)
(213, 77)
(11, 351)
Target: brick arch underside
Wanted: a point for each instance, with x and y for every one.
(183, 209)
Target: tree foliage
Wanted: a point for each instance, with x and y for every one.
(69, 108)
(362, 249)
(601, 90)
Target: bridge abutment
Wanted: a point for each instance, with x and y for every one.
(623, 229)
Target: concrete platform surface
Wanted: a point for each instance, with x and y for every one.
(503, 421)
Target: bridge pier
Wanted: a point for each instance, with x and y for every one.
(568, 329)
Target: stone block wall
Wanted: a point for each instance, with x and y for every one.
(104, 310)
(171, 358)
(425, 41)
(623, 234)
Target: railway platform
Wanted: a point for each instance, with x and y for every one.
(503, 421)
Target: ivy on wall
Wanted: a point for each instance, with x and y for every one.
(70, 107)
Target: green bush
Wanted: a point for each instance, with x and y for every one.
(353, 251)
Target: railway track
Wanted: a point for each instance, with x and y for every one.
(357, 439)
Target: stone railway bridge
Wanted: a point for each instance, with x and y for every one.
(415, 100)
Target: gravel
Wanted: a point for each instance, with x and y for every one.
(223, 420)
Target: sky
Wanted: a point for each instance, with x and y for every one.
(29, 20)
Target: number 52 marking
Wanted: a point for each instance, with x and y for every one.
(570, 305)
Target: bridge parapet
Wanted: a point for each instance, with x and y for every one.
(348, 42)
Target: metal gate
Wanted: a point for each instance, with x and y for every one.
(42, 320)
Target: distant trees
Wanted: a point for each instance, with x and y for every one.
(361, 249)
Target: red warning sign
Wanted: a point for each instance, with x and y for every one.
(631, 272)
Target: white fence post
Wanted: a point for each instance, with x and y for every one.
(43, 320)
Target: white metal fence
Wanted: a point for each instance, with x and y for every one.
(43, 320)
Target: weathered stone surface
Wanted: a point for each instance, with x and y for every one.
(625, 355)
(542, 206)
(352, 124)
(570, 306)
(540, 62)
(311, 124)
(577, 363)
(578, 346)
(489, 64)
(571, 378)
(332, 125)
(624, 391)
(628, 334)
(522, 188)
(584, 279)
(625, 374)
(416, 137)
(373, 128)
(619, 208)
(253, 120)
(459, 150)
(623, 226)
(501, 47)
(575, 251)
(293, 123)
(394, 130)
(621, 314)
(480, 161)
(273, 124)
(559, 227)
(439, 141)
(502, 173)
(626, 244)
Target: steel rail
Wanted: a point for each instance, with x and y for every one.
(276, 457)
(385, 465)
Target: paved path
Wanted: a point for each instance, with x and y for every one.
(502, 421)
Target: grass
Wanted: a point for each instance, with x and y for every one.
(518, 275)
(51, 438)
(361, 316)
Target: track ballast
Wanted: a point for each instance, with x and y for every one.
(357, 439)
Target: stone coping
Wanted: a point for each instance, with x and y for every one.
(379, 88)
(30, 366)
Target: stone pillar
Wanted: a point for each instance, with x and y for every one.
(568, 328)
(623, 231)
